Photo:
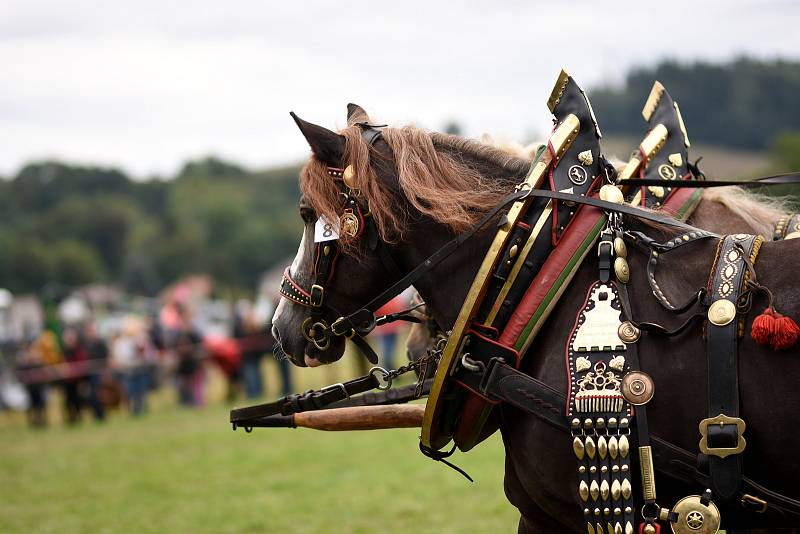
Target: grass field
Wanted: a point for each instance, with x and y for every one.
(185, 471)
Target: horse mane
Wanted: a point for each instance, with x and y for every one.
(760, 212)
(450, 179)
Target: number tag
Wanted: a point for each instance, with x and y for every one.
(325, 231)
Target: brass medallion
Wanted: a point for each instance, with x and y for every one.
(721, 312)
(349, 224)
(656, 190)
(621, 270)
(637, 388)
(611, 193)
(628, 333)
(667, 172)
(695, 518)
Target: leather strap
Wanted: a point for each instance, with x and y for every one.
(725, 287)
(776, 179)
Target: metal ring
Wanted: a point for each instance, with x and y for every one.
(471, 365)
(385, 377)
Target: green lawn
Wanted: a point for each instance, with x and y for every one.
(186, 471)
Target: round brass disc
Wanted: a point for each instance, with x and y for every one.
(621, 270)
(694, 517)
(349, 177)
(628, 333)
(637, 388)
(611, 193)
(721, 312)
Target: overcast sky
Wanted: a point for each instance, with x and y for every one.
(147, 84)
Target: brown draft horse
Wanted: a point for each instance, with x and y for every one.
(423, 187)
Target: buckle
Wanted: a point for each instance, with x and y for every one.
(748, 500)
(317, 294)
(722, 420)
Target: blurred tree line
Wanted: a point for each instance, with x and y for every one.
(74, 225)
(742, 104)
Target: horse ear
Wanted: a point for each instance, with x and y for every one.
(356, 114)
(326, 145)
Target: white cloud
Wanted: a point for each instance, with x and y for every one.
(146, 84)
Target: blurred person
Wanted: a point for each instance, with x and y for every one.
(189, 353)
(131, 355)
(76, 355)
(246, 332)
(97, 350)
(33, 358)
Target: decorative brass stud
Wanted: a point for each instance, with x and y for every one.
(626, 489)
(628, 333)
(577, 446)
(624, 446)
(585, 157)
(611, 193)
(637, 388)
(649, 529)
(617, 363)
(675, 159)
(618, 528)
(613, 449)
(590, 447)
(621, 270)
(628, 527)
(349, 177)
(512, 252)
(594, 490)
(602, 447)
(656, 190)
(590, 528)
(583, 490)
(604, 490)
(619, 247)
(616, 489)
(721, 312)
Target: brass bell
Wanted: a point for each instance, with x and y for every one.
(619, 247)
(694, 517)
(611, 193)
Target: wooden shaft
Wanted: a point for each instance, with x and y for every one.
(362, 417)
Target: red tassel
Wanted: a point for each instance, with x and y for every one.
(786, 332)
(776, 330)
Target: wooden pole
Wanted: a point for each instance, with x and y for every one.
(362, 417)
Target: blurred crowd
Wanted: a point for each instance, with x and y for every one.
(98, 365)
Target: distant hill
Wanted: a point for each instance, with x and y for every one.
(742, 104)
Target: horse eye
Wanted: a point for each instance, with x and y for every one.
(307, 214)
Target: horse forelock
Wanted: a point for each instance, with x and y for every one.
(449, 179)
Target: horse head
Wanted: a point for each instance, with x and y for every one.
(375, 203)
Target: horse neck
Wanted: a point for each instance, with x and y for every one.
(445, 287)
